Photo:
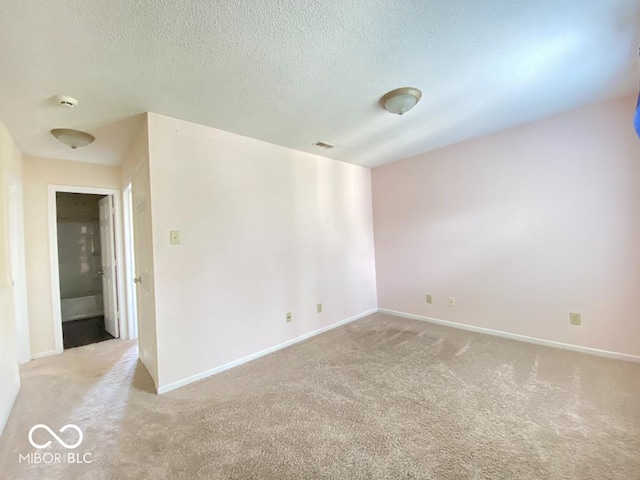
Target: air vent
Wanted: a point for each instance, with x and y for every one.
(323, 145)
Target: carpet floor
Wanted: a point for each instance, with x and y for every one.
(380, 398)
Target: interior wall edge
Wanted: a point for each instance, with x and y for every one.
(5, 418)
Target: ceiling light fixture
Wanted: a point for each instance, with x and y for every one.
(73, 138)
(401, 100)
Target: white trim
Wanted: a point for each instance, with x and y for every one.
(53, 259)
(123, 319)
(515, 336)
(44, 354)
(18, 268)
(129, 263)
(55, 273)
(248, 358)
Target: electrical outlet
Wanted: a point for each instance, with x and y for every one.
(429, 299)
(319, 308)
(575, 318)
(288, 317)
(452, 301)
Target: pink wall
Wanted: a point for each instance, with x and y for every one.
(522, 227)
(264, 230)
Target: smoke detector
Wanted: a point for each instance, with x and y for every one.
(65, 101)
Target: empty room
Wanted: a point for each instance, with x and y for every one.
(320, 240)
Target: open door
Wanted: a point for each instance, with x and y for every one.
(109, 287)
(143, 245)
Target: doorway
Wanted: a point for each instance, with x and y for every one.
(86, 262)
(86, 272)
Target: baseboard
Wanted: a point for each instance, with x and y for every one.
(515, 336)
(227, 366)
(44, 354)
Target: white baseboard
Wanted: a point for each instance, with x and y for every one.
(227, 366)
(44, 354)
(515, 336)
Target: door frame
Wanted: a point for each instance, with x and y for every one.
(129, 259)
(54, 261)
(108, 257)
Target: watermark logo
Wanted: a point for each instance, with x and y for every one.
(47, 458)
(58, 439)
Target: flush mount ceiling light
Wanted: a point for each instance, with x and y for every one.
(73, 138)
(401, 100)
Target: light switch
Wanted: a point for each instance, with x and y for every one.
(575, 318)
(174, 236)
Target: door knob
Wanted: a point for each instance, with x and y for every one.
(137, 280)
(100, 272)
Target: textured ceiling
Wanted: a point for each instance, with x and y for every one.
(294, 72)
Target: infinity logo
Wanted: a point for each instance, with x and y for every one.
(59, 440)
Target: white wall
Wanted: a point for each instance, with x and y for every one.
(522, 227)
(137, 153)
(9, 374)
(265, 230)
(38, 174)
(137, 158)
(17, 255)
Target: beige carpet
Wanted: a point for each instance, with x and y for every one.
(383, 397)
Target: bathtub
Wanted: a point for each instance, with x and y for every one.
(82, 307)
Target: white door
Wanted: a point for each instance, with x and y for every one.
(107, 244)
(142, 247)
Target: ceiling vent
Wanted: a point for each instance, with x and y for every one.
(323, 145)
